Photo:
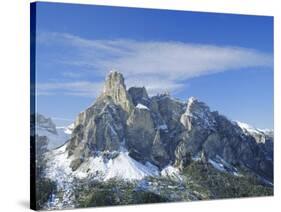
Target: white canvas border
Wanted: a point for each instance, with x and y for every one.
(14, 113)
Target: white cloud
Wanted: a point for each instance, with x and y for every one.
(78, 88)
(153, 63)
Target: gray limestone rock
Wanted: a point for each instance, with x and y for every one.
(140, 133)
(116, 89)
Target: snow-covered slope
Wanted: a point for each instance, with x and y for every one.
(99, 167)
(248, 128)
(260, 135)
(123, 166)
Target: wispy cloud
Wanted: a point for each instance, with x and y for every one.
(79, 88)
(72, 74)
(61, 119)
(152, 63)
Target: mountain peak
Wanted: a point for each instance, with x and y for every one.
(114, 80)
(138, 95)
(191, 100)
(116, 89)
(196, 106)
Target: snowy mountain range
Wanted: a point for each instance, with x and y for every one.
(129, 136)
(56, 135)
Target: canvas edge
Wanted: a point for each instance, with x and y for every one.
(32, 106)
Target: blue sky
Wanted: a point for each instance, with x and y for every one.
(224, 60)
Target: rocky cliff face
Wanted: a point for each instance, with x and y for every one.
(217, 137)
(164, 131)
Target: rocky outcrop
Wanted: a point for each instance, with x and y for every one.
(116, 89)
(102, 126)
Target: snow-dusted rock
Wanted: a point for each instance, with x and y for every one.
(159, 130)
(141, 106)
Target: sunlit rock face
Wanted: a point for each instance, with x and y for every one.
(115, 88)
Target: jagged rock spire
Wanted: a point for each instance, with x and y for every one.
(113, 80)
(115, 88)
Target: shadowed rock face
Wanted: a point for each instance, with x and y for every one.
(140, 133)
(163, 130)
(215, 135)
(139, 95)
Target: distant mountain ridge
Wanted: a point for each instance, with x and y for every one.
(56, 136)
(158, 132)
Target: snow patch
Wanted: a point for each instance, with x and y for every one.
(122, 166)
(141, 106)
(251, 129)
(197, 157)
(247, 127)
(223, 166)
(68, 130)
(162, 127)
(171, 171)
(190, 101)
(125, 167)
(217, 165)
